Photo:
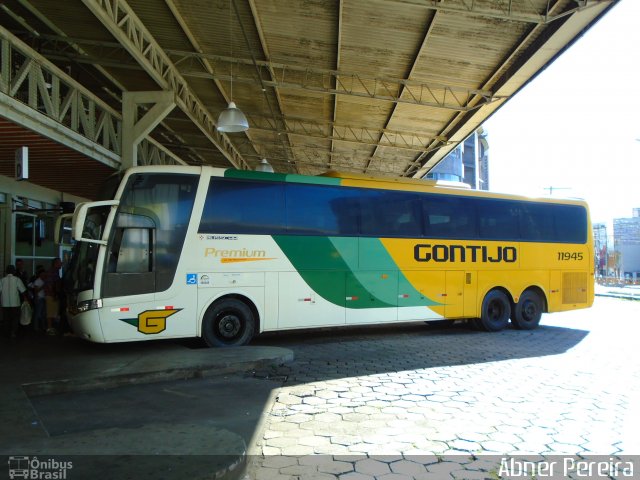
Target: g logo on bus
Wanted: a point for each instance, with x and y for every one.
(151, 322)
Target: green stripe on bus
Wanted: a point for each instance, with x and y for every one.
(377, 258)
(314, 258)
(318, 258)
(280, 177)
(295, 178)
(251, 175)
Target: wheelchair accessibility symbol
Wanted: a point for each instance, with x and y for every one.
(192, 278)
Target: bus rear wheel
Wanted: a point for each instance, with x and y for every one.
(228, 323)
(528, 311)
(496, 310)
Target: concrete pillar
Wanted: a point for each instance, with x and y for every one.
(135, 130)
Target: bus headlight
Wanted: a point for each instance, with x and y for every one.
(87, 305)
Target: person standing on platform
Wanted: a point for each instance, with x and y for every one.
(52, 291)
(21, 273)
(39, 300)
(12, 291)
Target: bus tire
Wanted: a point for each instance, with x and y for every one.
(496, 310)
(528, 311)
(228, 323)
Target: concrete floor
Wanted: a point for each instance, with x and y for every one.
(392, 402)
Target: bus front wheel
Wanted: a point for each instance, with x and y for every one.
(496, 310)
(228, 323)
(528, 311)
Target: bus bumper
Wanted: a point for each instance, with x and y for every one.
(86, 325)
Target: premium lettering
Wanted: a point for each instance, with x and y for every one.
(238, 253)
(426, 252)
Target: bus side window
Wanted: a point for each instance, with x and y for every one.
(132, 244)
(570, 223)
(134, 252)
(238, 206)
(385, 213)
(130, 268)
(498, 220)
(321, 210)
(536, 222)
(448, 217)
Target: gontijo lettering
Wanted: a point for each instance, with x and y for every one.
(425, 252)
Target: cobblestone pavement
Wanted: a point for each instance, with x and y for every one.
(412, 401)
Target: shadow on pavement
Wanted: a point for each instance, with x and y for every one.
(324, 354)
(200, 420)
(196, 427)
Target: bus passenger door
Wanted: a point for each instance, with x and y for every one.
(135, 294)
(128, 285)
(454, 299)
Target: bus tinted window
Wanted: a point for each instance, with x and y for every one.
(385, 213)
(498, 220)
(536, 222)
(570, 223)
(321, 210)
(448, 217)
(243, 207)
(257, 207)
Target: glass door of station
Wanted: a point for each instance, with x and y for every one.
(34, 240)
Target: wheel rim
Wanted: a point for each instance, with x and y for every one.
(529, 311)
(228, 326)
(495, 311)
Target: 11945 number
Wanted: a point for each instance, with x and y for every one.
(565, 256)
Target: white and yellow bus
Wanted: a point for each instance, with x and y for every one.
(226, 254)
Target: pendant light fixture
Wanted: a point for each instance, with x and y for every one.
(232, 119)
(264, 166)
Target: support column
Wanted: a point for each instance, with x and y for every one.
(134, 130)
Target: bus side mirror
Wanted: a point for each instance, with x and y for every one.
(80, 218)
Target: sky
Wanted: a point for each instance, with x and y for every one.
(576, 127)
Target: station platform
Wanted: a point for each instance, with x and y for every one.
(131, 410)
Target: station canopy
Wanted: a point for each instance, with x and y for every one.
(382, 87)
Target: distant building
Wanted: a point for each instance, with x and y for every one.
(626, 237)
(468, 163)
(600, 242)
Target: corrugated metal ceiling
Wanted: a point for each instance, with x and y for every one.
(374, 86)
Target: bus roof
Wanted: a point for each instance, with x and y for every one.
(349, 179)
(400, 180)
